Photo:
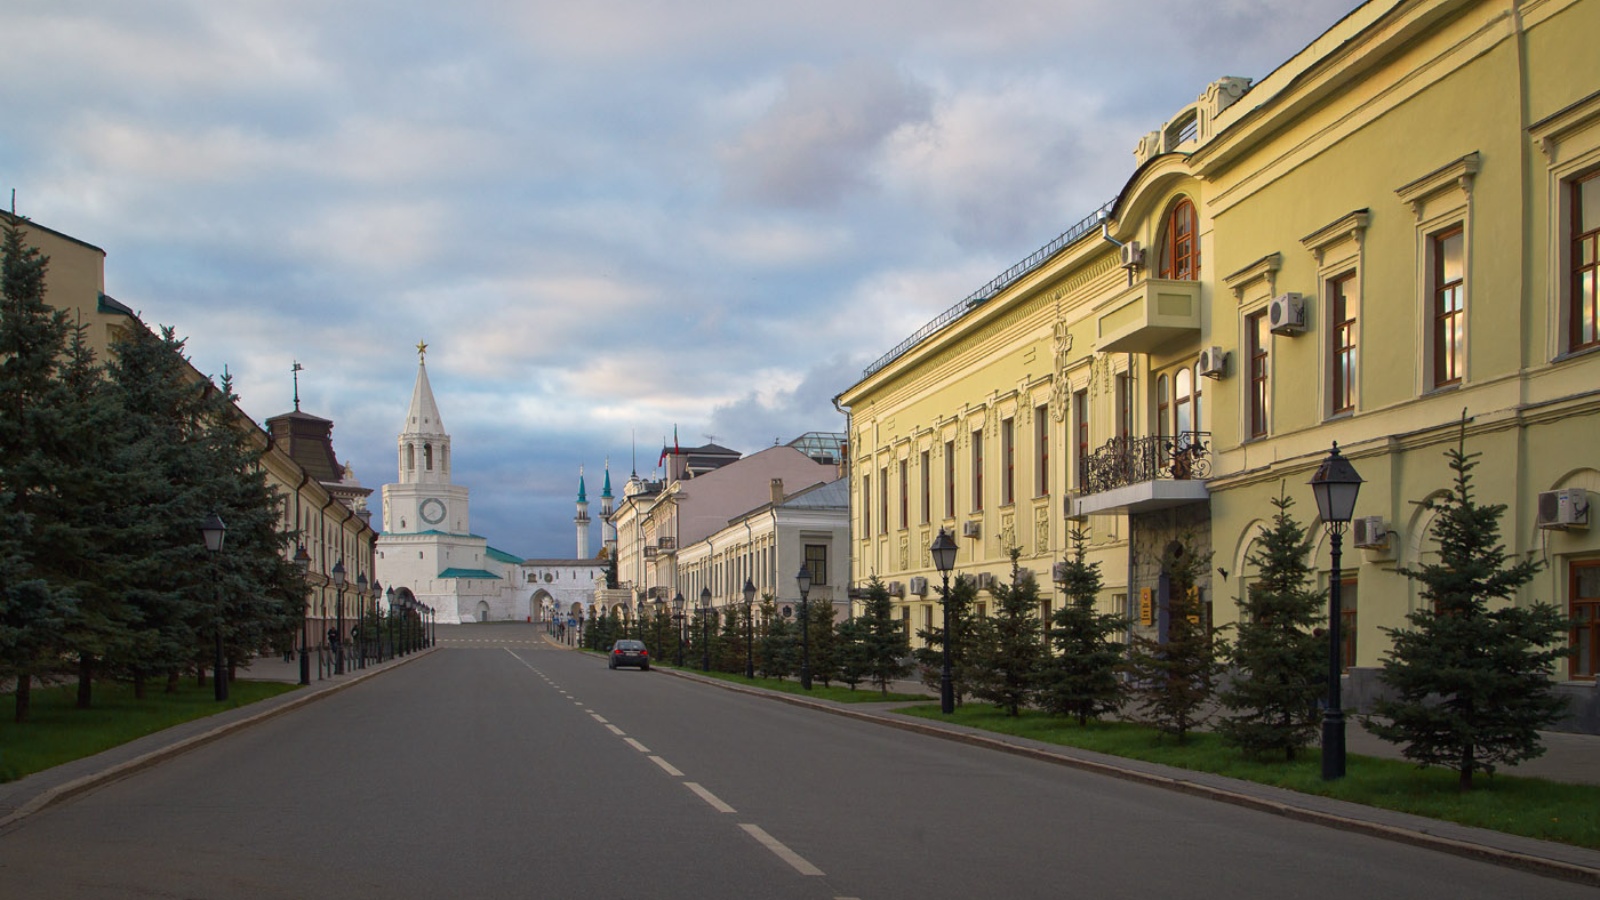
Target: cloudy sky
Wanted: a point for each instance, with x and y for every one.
(606, 219)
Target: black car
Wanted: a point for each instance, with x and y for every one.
(629, 653)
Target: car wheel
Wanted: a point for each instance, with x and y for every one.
(645, 667)
(612, 666)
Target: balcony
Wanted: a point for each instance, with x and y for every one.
(1149, 314)
(650, 551)
(667, 542)
(1143, 474)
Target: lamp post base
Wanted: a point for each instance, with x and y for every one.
(1332, 744)
(947, 693)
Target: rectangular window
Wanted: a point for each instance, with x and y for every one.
(1080, 412)
(866, 505)
(1041, 453)
(1347, 621)
(1342, 344)
(927, 488)
(1124, 405)
(817, 562)
(977, 470)
(1585, 317)
(949, 479)
(1449, 305)
(1257, 335)
(1583, 598)
(1008, 462)
(883, 500)
(905, 496)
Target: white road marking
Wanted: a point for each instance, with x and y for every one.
(707, 796)
(597, 717)
(784, 853)
(616, 731)
(667, 766)
(637, 746)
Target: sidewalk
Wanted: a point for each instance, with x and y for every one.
(41, 790)
(1567, 758)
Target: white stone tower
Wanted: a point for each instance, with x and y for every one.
(424, 499)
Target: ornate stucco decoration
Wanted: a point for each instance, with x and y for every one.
(1063, 387)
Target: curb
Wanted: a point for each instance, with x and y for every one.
(64, 792)
(1538, 865)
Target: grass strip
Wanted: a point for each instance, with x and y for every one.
(1530, 807)
(836, 693)
(58, 732)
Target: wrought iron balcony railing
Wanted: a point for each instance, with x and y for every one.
(1131, 460)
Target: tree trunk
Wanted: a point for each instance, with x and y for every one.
(172, 681)
(24, 697)
(1465, 784)
(138, 684)
(85, 679)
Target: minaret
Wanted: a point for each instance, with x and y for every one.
(582, 519)
(608, 528)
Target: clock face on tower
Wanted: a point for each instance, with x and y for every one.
(432, 511)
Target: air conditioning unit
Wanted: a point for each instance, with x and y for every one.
(1288, 314)
(1132, 255)
(986, 581)
(919, 585)
(1213, 362)
(971, 529)
(1024, 575)
(897, 589)
(1566, 508)
(1058, 572)
(1369, 533)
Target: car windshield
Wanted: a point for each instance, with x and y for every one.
(630, 645)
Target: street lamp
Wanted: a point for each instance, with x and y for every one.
(1335, 486)
(377, 623)
(214, 531)
(361, 645)
(677, 616)
(394, 649)
(749, 629)
(303, 560)
(705, 629)
(804, 578)
(338, 644)
(944, 559)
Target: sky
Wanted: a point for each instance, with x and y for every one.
(608, 220)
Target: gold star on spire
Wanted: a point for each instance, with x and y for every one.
(422, 350)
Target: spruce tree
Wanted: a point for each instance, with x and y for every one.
(973, 636)
(885, 644)
(1005, 669)
(1471, 684)
(852, 635)
(779, 657)
(1174, 679)
(824, 642)
(728, 653)
(34, 607)
(1279, 663)
(1081, 679)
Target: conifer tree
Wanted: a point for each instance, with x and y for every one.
(1471, 684)
(728, 653)
(779, 654)
(885, 645)
(852, 634)
(1081, 678)
(1279, 662)
(1174, 679)
(824, 642)
(33, 607)
(974, 635)
(1005, 669)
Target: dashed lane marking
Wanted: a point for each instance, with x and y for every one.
(637, 746)
(713, 799)
(616, 731)
(794, 859)
(597, 717)
(666, 766)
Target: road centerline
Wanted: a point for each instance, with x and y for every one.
(712, 799)
(794, 859)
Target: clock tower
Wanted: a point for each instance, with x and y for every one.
(424, 500)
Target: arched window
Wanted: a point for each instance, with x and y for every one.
(1198, 381)
(1163, 406)
(411, 458)
(1180, 244)
(427, 457)
(1182, 410)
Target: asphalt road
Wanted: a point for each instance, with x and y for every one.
(500, 767)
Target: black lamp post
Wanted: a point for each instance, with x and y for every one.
(394, 649)
(214, 531)
(804, 579)
(361, 619)
(377, 623)
(638, 611)
(338, 587)
(1335, 486)
(677, 616)
(303, 560)
(944, 559)
(749, 629)
(705, 629)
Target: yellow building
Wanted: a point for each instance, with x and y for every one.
(1398, 224)
(326, 511)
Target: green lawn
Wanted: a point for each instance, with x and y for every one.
(59, 732)
(839, 693)
(1531, 807)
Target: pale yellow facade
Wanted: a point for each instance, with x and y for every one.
(329, 529)
(1417, 176)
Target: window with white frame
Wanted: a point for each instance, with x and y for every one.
(1441, 203)
(1570, 142)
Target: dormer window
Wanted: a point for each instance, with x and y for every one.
(1180, 244)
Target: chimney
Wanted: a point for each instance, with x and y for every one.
(777, 491)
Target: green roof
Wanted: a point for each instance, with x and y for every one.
(504, 557)
(468, 573)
